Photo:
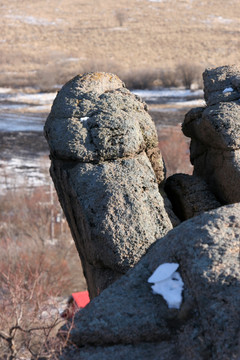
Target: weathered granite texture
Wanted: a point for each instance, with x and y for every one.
(190, 195)
(215, 134)
(128, 321)
(109, 176)
(217, 80)
(106, 168)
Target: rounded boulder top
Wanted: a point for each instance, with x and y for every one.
(94, 118)
(98, 82)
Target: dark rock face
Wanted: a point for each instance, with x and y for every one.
(218, 80)
(190, 195)
(145, 351)
(106, 168)
(127, 316)
(215, 134)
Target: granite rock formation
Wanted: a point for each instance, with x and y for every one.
(189, 195)
(215, 134)
(128, 321)
(109, 176)
(107, 170)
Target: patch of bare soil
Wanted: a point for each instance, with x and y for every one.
(45, 42)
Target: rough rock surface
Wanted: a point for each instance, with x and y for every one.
(215, 134)
(128, 319)
(109, 176)
(218, 80)
(189, 195)
(106, 168)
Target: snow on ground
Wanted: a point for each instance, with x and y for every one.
(38, 98)
(23, 172)
(170, 93)
(20, 112)
(5, 90)
(23, 111)
(191, 103)
(118, 29)
(21, 122)
(32, 20)
(211, 19)
(179, 104)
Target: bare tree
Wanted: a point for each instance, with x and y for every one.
(29, 316)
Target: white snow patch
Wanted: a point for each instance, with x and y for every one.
(33, 20)
(38, 98)
(164, 110)
(4, 90)
(168, 283)
(217, 19)
(24, 172)
(174, 92)
(229, 89)
(197, 102)
(72, 59)
(223, 20)
(84, 118)
(118, 29)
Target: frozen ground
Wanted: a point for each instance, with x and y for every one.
(23, 172)
(28, 111)
(176, 97)
(23, 149)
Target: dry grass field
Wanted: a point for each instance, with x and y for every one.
(49, 41)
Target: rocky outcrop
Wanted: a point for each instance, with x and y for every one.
(109, 176)
(106, 168)
(215, 134)
(190, 195)
(129, 321)
(221, 84)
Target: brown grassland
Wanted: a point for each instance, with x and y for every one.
(52, 40)
(46, 42)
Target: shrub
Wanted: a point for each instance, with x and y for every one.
(189, 74)
(140, 79)
(29, 316)
(168, 78)
(35, 274)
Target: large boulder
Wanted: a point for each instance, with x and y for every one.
(129, 321)
(107, 170)
(110, 178)
(215, 134)
(190, 195)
